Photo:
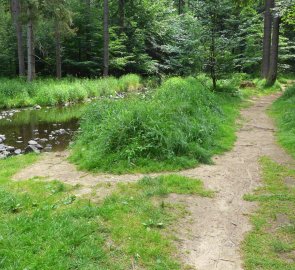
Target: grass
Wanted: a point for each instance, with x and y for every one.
(184, 123)
(44, 226)
(19, 93)
(283, 110)
(271, 243)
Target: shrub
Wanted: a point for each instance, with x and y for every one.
(175, 129)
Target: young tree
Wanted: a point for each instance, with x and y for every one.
(16, 14)
(106, 54)
(57, 12)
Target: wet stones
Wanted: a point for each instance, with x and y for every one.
(2, 138)
(32, 148)
(37, 107)
(7, 151)
(8, 114)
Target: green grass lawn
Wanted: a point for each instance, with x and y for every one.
(44, 226)
(271, 243)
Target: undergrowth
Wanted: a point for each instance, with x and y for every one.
(182, 124)
(19, 93)
(271, 243)
(44, 226)
(283, 110)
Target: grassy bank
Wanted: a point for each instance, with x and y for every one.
(283, 110)
(43, 226)
(19, 93)
(271, 243)
(182, 124)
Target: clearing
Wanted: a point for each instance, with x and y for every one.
(210, 237)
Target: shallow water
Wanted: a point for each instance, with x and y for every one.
(54, 126)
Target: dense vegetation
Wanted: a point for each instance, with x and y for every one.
(44, 226)
(88, 38)
(17, 93)
(181, 124)
(284, 112)
(270, 245)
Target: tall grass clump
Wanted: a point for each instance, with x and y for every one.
(283, 111)
(129, 83)
(178, 127)
(19, 93)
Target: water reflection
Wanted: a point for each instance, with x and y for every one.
(49, 126)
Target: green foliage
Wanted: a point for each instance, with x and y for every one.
(283, 111)
(18, 93)
(44, 226)
(270, 244)
(181, 125)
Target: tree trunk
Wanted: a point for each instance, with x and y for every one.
(213, 50)
(269, 5)
(122, 15)
(88, 30)
(16, 11)
(274, 53)
(58, 50)
(181, 4)
(31, 47)
(106, 38)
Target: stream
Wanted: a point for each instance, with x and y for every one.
(35, 130)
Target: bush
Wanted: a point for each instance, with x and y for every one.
(177, 128)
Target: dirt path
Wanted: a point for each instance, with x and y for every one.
(210, 237)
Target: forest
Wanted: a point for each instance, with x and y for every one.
(140, 134)
(152, 38)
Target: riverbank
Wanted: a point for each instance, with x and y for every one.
(15, 93)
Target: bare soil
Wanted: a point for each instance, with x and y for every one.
(210, 237)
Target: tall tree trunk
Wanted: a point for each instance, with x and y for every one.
(274, 53)
(106, 54)
(122, 15)
(58, 50)
(16, 11)
(181, 4)
(269, 5)
(31, 47)
(88, 29)
(213, 61)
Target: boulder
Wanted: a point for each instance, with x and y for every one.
(32, 142)
(32, 149)
(17, 152)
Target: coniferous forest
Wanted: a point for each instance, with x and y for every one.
(152, 38)
(147, 134)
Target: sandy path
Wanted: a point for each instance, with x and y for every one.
(210, 237)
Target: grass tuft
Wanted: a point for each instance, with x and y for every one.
(183, 124)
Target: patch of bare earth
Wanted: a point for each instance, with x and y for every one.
(210, 237)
